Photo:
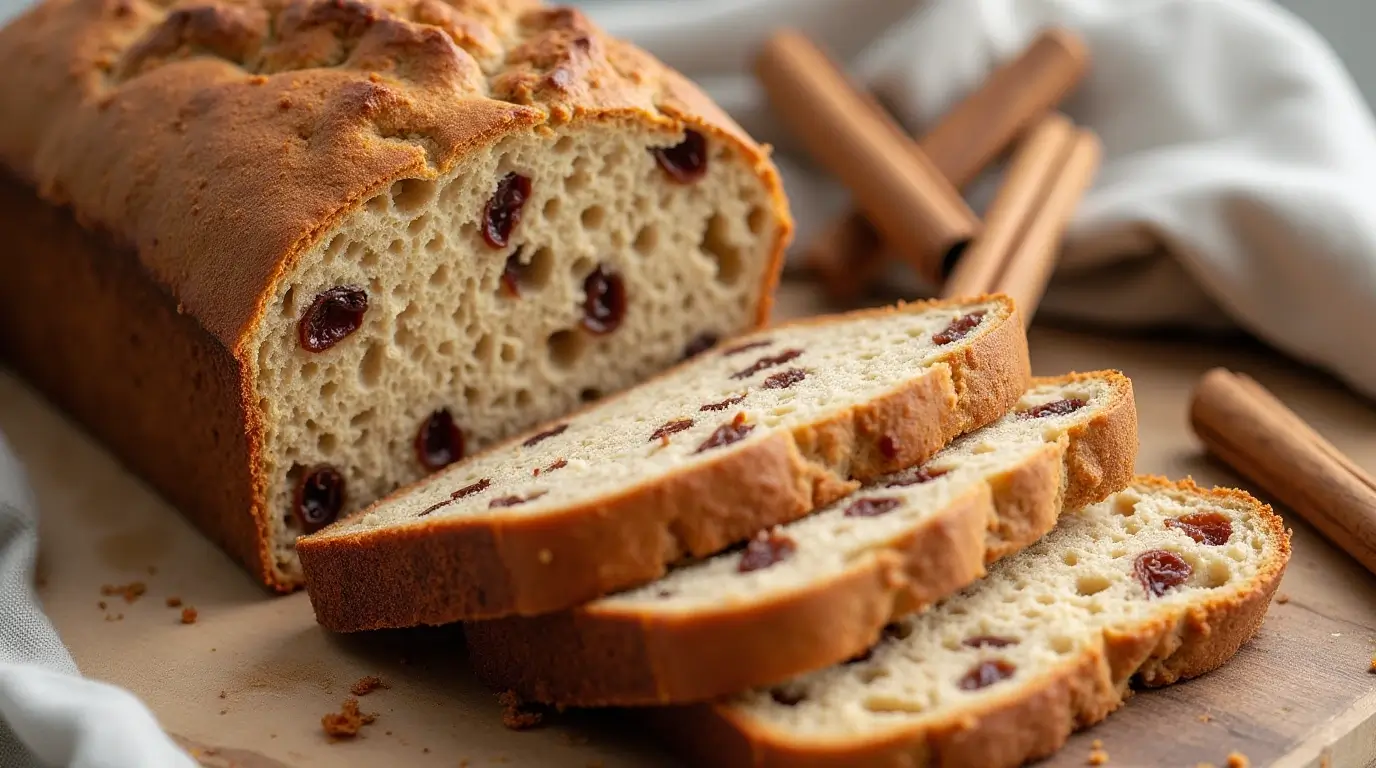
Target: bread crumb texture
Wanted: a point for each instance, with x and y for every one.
(189, 616)
(1098, 757)
(347, 722)
(130, 592)
(174, 602)
(366, 685)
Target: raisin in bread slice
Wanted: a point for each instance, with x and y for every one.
(757, 433)
(284, 256)
(1161, 582)
(819, 590)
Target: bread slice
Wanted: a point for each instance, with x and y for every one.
(894, 546)
(754, 434)
(284, 257)
(1046, 643)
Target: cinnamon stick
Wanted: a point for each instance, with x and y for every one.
(1249, 428)
(961, 146)
(906, 197)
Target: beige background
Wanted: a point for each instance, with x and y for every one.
(255, 673)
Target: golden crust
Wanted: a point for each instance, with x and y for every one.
(213, 143)
(596, 656)
(446, 570)
(1035, 718)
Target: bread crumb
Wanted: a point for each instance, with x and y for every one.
(1282, 598)
(114, 617)
(101, 605)
(224, 711)
(174, 602)
(425, 750)
(1097, 744)
(130, 592)
(346, 723)
(366, 685)
(1238, 760)
(518, 715)
(189, 616)
(222, 694)
(1098, 757)
(1372, 668)
(1206, 718)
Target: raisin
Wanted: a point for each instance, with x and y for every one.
(671, 427)
(786, 697)
(700, 343)
(871, 507)
(547, 434)
(988, 641)
(511, 275)
(768, 361)
(959, 328)
(503, 210)
(896, 630)
(765, 550)
(888, 447)
(557, 464)
(334, 314)
(736, 350)
(319, 497)
(1053, 408)
(727, 434)
(1212, 528)
(918, 477)
(439, 442)
(686, 161)
(986, 673)
(604, 302)
(785, 379)
(723, 405)
(511, 501)
(467, 490)
(1159, 570)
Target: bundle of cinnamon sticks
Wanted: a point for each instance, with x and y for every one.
(908, 191)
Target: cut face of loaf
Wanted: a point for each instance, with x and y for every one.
(819, 590)
(358, 240)
(1160, 582)
(756, 433)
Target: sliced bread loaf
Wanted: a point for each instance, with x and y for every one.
(819, 590)
(1160, 582)
(751, 435)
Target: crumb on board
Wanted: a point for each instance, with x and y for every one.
(223, 694)
(1238, 760)
(1206, 718)
(1282, 598)
(224, 711)
(174, 602)
(114, 617)
(425, 750)
(130, 592)
(101, 605)
(346, 723)
(366, 685)
(1096, 744)
(1098, 757)
(518, 715)
(1372, 668)
(189, 616)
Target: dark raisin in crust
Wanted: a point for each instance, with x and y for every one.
(673, 426)
(604, 302)
(320, 494)
(959, 328)
(785, 379)
(765, 550)
(1158, 570)
(888, 447)
(333, 315)
(686, 161)
(511, 275)
(727, 434)
(1053, 408)
(502, 212)
(723, 405)
(1212, 528)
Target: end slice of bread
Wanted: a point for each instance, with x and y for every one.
(894, 546)
(753, 434)
(1160, 582)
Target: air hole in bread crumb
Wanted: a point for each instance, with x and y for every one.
(581, 266)
(1046, 599)
(593, 216)
(756, 220)
(289, 302)
(411, 195)
(441, 275)
(328, 389)
(1070, 558)
(524, 398)
(370, 369)
(434, 245)
(309, 371)
(1092, 584)
(484, 348)
(445, 348)
(727, 256)
(647, 239)
(564, 144)
(1219, 572)
(1062, 644)
(565, 347)
(508, 352)
(418, 225)
(363, 418)
(1125, 503)
(397, 247)
(378, 204)
(882, 704)
(579, 181)
(551, 208)
(326, 443)
(470, 395)
(871, 674)
(590, 394)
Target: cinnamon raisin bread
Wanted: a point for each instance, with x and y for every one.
(1160, 582)
(819, 590)
(293, 254)
(757, 433)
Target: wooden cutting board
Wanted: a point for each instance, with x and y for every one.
(253, 675)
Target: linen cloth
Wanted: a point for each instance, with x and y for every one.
(1237, 190)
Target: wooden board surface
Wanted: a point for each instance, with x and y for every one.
(254, 674)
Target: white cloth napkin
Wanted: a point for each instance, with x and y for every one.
(1239, 164)
(1236, 190)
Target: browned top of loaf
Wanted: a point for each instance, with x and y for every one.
(219, 139)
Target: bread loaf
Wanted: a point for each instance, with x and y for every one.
(738, 620)
(293, 254)
(1161, 582)
(755, 434)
